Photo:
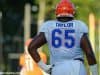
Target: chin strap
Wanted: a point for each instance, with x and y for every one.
(94, 69)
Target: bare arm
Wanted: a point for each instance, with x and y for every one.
(86, 46)
(37, 42)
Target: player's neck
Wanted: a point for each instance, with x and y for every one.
(64, 19)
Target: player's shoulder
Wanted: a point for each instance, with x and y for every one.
(80, 23)
(49, 22)
(46, 25)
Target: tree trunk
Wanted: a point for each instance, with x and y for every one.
(41, 15)
(1, 41)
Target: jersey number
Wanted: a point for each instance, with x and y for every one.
(57, 40)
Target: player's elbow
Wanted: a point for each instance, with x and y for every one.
(32, 48)
(91, 58)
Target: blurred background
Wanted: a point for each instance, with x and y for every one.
(21, 19)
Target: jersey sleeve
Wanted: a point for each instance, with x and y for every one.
(43, 28)
(83, 28)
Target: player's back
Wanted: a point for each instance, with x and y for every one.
(64, 39)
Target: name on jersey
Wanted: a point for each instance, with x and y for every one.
(64, 25)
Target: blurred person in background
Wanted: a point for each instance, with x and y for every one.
(29, 66)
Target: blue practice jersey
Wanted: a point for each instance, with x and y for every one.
(63, 39)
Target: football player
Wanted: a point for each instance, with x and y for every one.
(67, 40)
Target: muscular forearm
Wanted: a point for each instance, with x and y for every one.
(34, 54)
(91, 58)
(93, 64)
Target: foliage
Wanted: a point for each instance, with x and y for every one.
(83, 8)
